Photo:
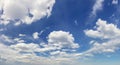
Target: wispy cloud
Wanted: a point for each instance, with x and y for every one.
(97, 6)
(115, 2)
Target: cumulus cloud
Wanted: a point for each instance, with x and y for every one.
(62, 39)
(35, 35)
(57, 40)
(24, 11)
(108, 34)
(7, 53)
(23, 47)
(13, 57)
(103, 30)
(60, 49)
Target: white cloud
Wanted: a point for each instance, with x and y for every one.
(58, 48)
(4, 22)
(13, 57)
(61, 46)
(59, 40)
(30, 58)
(2, 29)
(6, 53)
(97, 6)
(109, 35)
(24, 11)
(35, 35)
(115, 2)
(22, 35)
(18, 40)
(103, 30)
(4, 38)
(23, 47)
(62, 39)
(101, 48)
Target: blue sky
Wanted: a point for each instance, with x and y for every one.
(59, 32)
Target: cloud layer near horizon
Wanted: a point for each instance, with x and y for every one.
(60, 48)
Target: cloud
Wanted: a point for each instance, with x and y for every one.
(62, 39)
(7, 53)
(35, 35)
(13, 57)
(2, 29)
(18, 40)
(22, 35)
(76, 22)
(60, 47)
(28, 12)
(97, 6)
(107, 35)
(23, 47)
(115, 2)
(57, 40)
(4, 38)
(59, 50)
(103, 30)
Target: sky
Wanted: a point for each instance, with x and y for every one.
(59, 32)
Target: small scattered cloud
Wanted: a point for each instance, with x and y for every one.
(35, 35)
(76, 22)
(115, 2)
(21, 35)
(2, 29)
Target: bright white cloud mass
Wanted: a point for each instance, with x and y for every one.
(64, 38)
(104, 30)
(109, 33)
(61, 48)
(58, 48)
(28, 12)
